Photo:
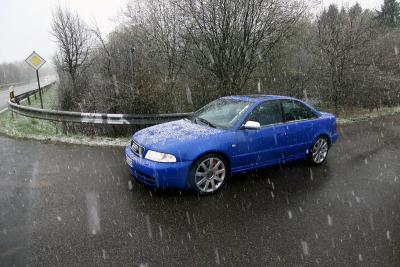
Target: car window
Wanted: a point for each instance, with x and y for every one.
(294, 110)
(267, 113)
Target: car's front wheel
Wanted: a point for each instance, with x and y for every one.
(208, 174)
(319, 151)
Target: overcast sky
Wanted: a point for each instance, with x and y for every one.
(25, 24)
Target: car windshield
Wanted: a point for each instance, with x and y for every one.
(222, 113)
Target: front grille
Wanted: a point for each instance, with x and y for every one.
(144, 178)
(137, 149)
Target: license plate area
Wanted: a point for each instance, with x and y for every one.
(129, 162)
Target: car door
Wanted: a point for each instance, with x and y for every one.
(299, 128)
(262, 146)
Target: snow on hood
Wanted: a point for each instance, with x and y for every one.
(172, 133)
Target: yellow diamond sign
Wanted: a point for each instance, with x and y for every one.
(35, 61)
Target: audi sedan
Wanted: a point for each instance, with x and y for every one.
(230, 135)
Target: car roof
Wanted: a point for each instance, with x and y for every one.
(257, 98)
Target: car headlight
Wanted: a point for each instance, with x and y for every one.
(160, 157)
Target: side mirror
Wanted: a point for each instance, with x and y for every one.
(252, 125)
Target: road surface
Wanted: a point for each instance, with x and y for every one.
(4, 96)
(70, 205)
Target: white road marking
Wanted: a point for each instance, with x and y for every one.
(1, 111)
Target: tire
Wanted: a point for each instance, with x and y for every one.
(319, 151)
(208, 175)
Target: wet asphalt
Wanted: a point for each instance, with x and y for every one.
(71, 206)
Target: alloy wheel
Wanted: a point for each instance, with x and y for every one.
(210, 175)
(320, 150)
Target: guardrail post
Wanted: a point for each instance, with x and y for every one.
(29, 100)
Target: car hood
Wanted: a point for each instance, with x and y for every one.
(168, 135)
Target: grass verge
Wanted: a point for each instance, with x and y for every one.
(18, 126)
(28, 128)
(365, 115)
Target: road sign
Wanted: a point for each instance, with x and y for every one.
(35, 61)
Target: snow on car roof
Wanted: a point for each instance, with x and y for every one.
(256, 98)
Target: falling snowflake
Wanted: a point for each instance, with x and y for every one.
(304, 246)
(330, 221)
(290, 214)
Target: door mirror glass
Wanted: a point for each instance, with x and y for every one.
(252, 125)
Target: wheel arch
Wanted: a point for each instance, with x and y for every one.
(189, 181)
(328, 138)
(217, 152)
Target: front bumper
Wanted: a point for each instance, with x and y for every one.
(157, 174)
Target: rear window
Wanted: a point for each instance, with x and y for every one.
(294, 110)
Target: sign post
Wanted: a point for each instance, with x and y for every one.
(36, 62)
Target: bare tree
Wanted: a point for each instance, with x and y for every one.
(231, 37)
(341, 40)
(158, 22)
(74, 40)
(104, 47)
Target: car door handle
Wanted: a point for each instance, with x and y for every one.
(309, 127)
(280, 133)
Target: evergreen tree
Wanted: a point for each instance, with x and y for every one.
(390, 13)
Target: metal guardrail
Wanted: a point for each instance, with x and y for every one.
(93, 118)
(27, 95)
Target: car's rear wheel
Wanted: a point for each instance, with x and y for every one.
(208, 174)
(319, 151)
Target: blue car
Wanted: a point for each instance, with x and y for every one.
(230, 135)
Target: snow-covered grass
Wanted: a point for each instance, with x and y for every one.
(365, 115)
(47, 131)
(50, 99)
(28, 128)
(19, 126)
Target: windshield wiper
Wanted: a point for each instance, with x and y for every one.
(205, 122)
